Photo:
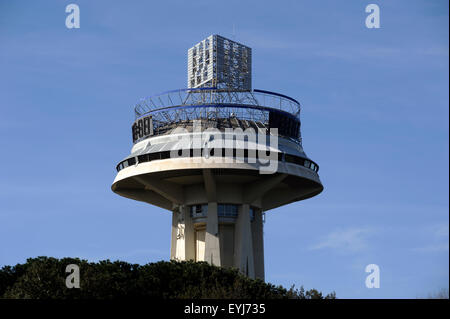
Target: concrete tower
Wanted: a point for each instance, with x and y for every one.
(218, 155)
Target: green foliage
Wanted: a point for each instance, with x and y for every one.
(44, 278)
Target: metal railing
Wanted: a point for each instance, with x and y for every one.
(255, 99)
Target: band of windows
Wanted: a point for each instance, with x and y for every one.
(282, 157)
(288, 158)
(223, 210)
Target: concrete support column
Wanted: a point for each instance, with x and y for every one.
(212, 243)
(173, 239)
(180, 246)
(258, 243)
(183, 236)
(189, 234)
(243, 249)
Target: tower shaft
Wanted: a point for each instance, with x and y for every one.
(227, 235)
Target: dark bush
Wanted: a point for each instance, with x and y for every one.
(45, 277)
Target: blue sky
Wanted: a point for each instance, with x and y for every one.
(375, 118)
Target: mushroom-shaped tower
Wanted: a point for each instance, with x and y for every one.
(218, 155)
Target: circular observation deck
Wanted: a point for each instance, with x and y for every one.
(167, 167)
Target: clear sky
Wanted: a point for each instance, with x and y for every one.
(375, 118)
